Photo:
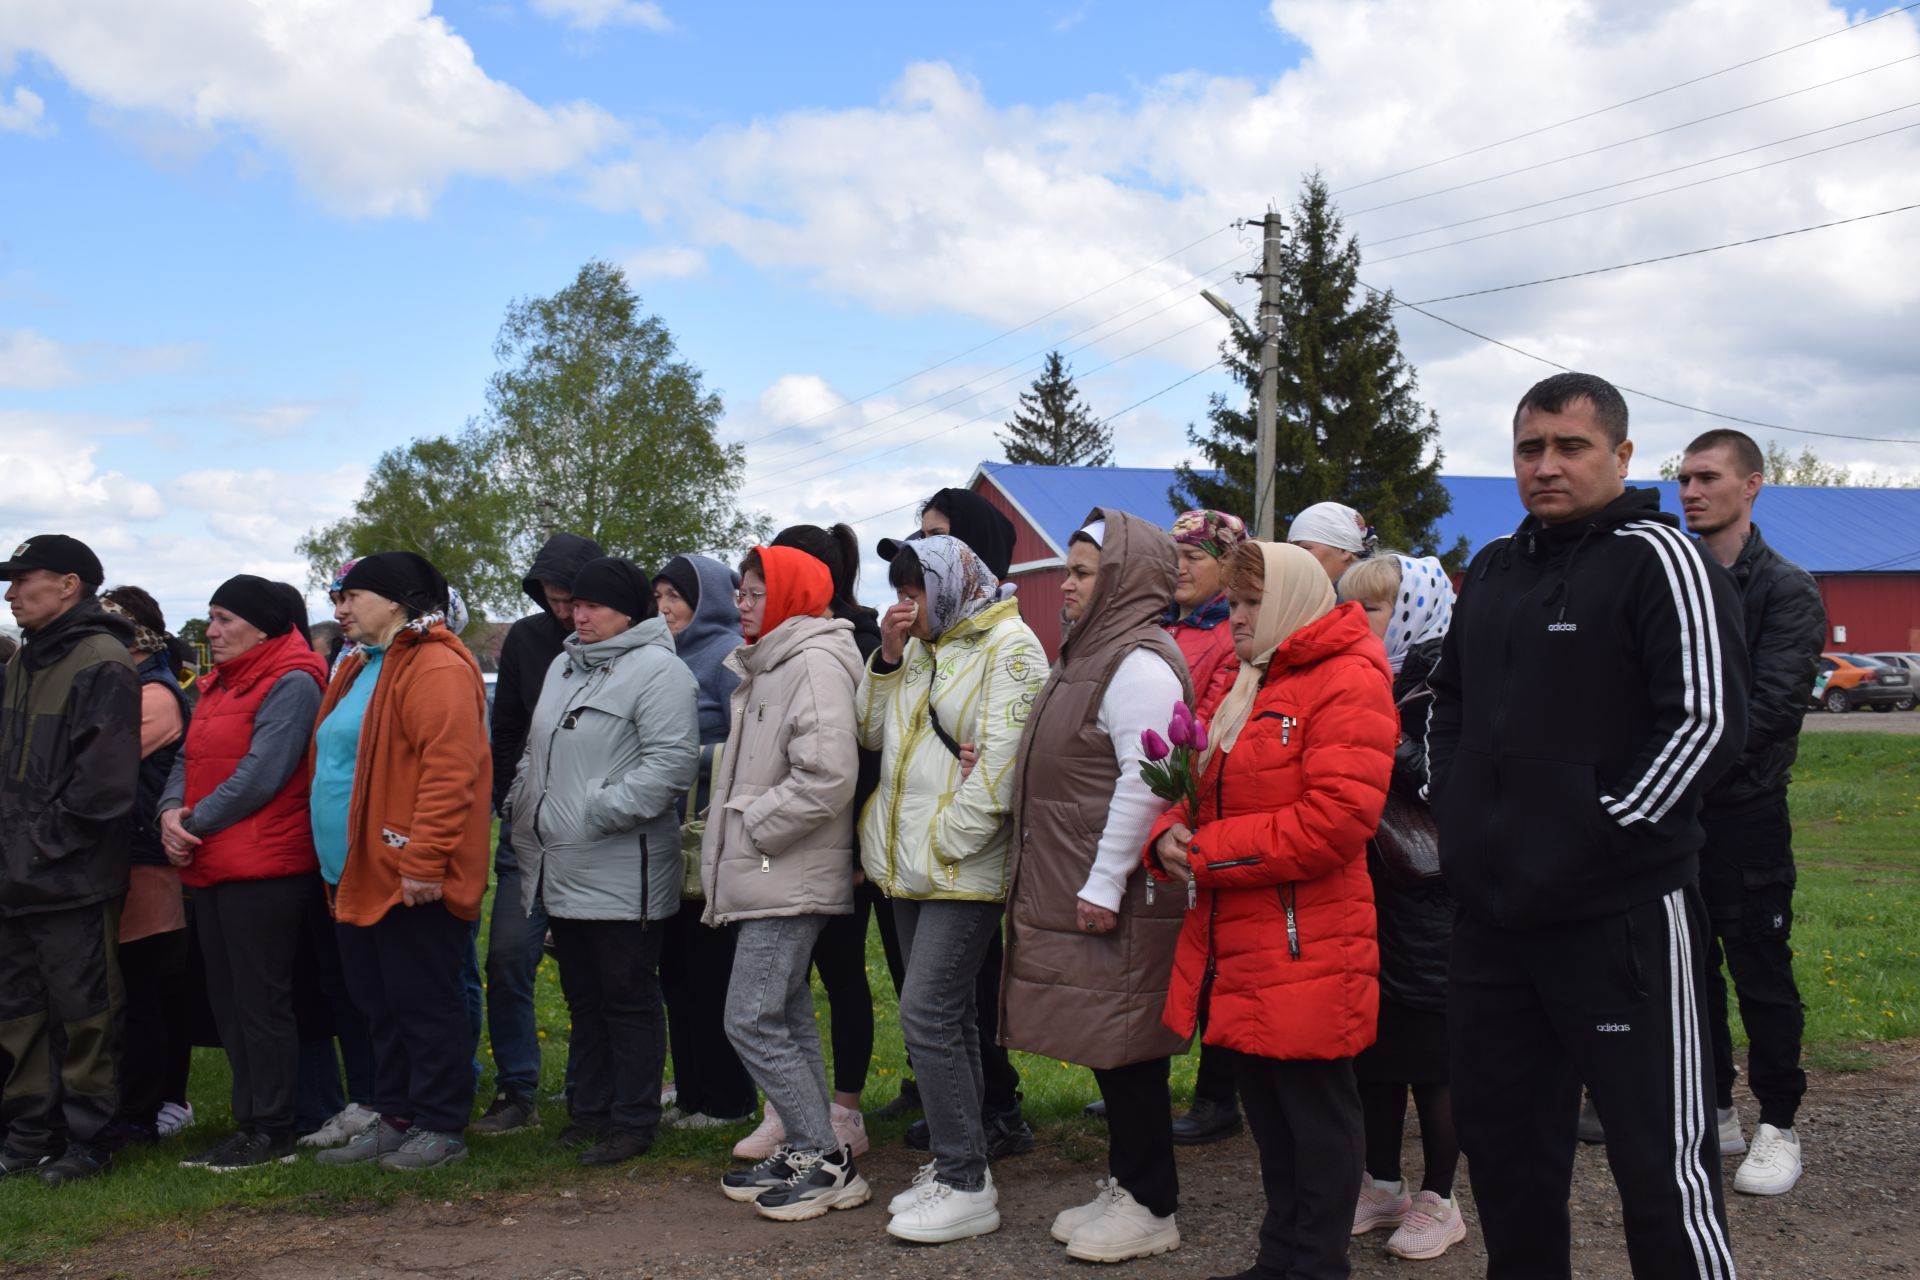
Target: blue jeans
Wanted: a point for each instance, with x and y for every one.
(770, 1021)
(513, 956)
(944, 944)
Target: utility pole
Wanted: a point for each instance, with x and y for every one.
(1269, 376)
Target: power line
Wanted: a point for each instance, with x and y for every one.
(991, 413)
(1642, 137)
(1666, 257)
(1646, 195)
(1645, 177)
(1600, 111)
(980, 346)
(1645, 395)
(1021, 363)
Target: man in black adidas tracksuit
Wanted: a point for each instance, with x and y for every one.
(1591, 687)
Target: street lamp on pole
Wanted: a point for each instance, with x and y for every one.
(1269, 338)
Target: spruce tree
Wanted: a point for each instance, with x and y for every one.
(1054, 427)
(1349, 426)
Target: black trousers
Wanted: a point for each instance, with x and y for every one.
(249, 935)
(696, 963)
(1217, 1078)
(62, 1016)
(1002, 1077)
(1747, 878)
(609, 970)
(840, 958)
(1140, 1132)
(1613, 1002)
(404, 972)
(154, 1064)
(1305, 1118)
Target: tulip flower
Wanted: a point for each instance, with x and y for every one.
(1180, 728)
(1199, 736)
(1154, 746)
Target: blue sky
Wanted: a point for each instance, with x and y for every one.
(240, 256)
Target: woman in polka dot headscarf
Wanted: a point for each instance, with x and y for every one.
(1409, 602)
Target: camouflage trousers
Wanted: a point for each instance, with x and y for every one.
(62, 1013)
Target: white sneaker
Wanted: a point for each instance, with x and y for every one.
(940, 1214)
(173, 1117)
(669, 1094)
(1068, 1221)
(1772, 1166)
(1125, 1229)
(922, 1178)
(850, 1127)
(350, 1123)
(1732, 1141)
(1431, 1227)
(765, 1140)
(1379, 1207)
(701, 1120)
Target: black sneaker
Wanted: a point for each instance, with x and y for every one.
(79, 1163)
(1008, 1133)
(253, 1150)
(615, 1148)
(1207, 1121)
(508, 1114)
(578, 1135)
(919, 1135)
(819, 1182)
(12, 1162)
(905, 1103)
(746, 1185)
(221, 1152)
(1095, 1110)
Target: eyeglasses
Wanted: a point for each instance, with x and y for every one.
(745, 597)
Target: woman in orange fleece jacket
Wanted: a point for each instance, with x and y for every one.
(400, 772)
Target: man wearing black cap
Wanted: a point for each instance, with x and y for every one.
(515, 936)
(69, 770)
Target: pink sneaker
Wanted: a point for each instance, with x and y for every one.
(850, 1127)
(1378, 1207)
(1431, 1228)
(765, 1140)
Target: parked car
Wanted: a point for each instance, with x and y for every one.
(1910, 662)
(1849, 680)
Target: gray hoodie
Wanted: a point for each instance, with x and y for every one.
(613, 744)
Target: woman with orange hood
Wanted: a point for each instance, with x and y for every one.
(1277, 959)
(778, 858)
(401, 771)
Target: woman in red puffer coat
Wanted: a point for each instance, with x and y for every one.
(1277, 957)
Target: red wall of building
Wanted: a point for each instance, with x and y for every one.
(1028, 545)
(1881, 611)
(1039, 597)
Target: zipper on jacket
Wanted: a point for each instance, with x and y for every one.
(1289, 895)
(644, 879)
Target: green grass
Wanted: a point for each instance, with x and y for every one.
(1856, 940)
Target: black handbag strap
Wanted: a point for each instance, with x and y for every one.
(939, 731)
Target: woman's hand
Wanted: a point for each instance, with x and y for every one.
(1173, 849)
(1095, 919)
(969, 757)
(175, 838)
(418, 893)
(895, 623)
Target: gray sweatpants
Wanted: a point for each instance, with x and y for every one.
(770, 1022)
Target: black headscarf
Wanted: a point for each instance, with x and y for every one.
(265, 605)
(402, 577)
(979, 524)
(617, 584)
(681, 576)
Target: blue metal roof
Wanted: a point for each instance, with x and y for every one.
(1822, 529)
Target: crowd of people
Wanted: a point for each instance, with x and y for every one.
(1484, 849)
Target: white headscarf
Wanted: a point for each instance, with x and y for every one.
(1294, 591)
(958, 582)
(1332, 525)
(1422, 609)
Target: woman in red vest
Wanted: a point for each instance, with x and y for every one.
(234, 820)
(1277, 958)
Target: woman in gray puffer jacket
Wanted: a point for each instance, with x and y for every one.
(614, 743)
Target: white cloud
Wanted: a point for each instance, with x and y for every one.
(377, 104)
(32, 361)
(590, 15)
(49, 476)
(24, 114)
(664, 262)
(938, 199)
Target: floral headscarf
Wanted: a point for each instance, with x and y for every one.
(1422, 609)
(1214, 532)
(339, 582)
(959, 584)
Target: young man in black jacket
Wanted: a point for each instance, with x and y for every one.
(1746, 865)
(69, 772)
(1591, 688)
(514, 937)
